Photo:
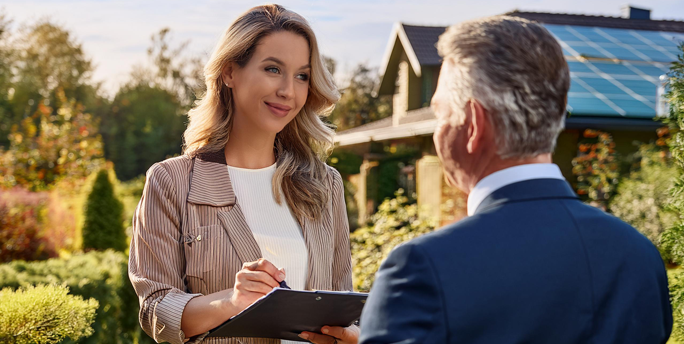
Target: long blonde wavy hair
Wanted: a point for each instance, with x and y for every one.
(304, 144)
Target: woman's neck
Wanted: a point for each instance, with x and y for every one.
(249, 149)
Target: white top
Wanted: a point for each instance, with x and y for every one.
(275, 228)
(508, 176)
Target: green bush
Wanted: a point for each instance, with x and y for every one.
(596, 167)
(99, 275)
(673, 237)
(44, 314)
(103, 226)
(396, 221)
(643, 197)
(676, 282)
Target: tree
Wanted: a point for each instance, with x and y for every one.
(145, 125)
(148, 115)
(672, 239)
(103, 226)
(36, 63)
(51, 145)
(357, 105)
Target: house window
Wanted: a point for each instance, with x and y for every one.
(426, 92)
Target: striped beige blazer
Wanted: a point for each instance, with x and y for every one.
(190, 238)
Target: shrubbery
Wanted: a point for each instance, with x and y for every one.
(396, 221)
(99, 275)
(596, 167)
(103, 226)
(44, 314)
(22, 217)
(642, 199)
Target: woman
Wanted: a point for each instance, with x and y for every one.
(251, 202)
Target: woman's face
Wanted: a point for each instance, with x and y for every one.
(271, 89)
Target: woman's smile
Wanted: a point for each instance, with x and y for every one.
(279, 110)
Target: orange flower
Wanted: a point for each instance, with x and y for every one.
(590, 133)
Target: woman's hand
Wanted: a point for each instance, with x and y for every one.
(333, 335)
(255, 280)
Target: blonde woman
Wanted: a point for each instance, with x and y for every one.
(251, 202)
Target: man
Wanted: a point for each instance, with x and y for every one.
(531, 263)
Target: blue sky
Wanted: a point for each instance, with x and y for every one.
(116, 33)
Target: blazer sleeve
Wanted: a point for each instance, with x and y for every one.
(341, 265)
(405, 302)
(156, 259)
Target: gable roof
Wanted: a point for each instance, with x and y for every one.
(423, 40)
(418, 42)
(601, 21)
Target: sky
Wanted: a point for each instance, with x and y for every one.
(115, 34)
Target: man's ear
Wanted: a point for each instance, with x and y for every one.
(227, 74)
(478, 126)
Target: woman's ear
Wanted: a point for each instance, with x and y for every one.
(227, 74)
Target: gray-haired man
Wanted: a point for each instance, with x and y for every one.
(531, 264)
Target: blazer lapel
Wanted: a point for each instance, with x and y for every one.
(240, 234)
(319, 245)
(211, 185)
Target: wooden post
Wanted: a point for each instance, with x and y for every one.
(429, 184)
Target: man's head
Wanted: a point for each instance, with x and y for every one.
(501, 96)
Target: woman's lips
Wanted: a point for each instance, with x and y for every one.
(278, 109)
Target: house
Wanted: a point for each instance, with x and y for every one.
(615, 66)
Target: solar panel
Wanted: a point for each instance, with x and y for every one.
(615, 72)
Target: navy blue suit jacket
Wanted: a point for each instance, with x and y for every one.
(532, 265)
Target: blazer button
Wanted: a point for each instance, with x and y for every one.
(199, 237)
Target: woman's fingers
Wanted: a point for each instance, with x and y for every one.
(267, 267)
(257, 276)
(253, 287)
(317, 338)
(343, 333)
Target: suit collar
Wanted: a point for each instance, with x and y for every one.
(210, 184)
(529, 190)
(508, 176)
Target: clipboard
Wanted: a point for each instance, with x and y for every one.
(285, 313)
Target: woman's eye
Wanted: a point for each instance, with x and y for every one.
(273, 69)
(304, 77)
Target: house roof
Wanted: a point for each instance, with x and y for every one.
(423, 40)
(601, 21)
(418, 43)
(615, 66)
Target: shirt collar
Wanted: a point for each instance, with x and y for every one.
(509, 176)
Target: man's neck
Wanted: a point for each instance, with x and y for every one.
(496, 164)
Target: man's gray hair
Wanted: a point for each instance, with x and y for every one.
(516, 70)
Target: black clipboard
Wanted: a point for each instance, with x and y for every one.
(285, 313)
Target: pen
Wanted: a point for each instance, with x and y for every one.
(284, 285)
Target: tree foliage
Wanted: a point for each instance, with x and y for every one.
(63, 143)
(148, 114)
(357, 105)
(40, 64)
(44, 314)
(103, 228)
